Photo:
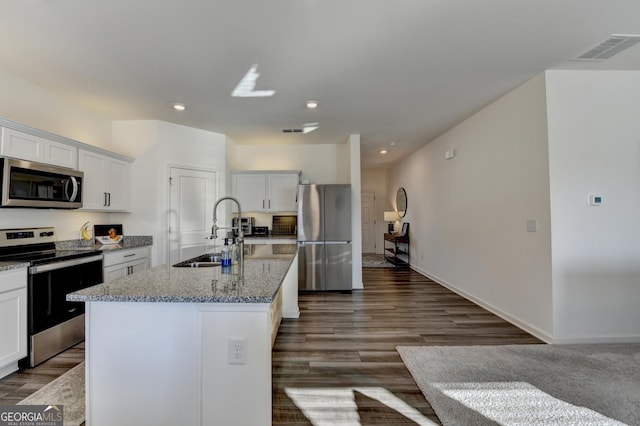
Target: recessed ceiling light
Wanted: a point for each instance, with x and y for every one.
(179, 107)
(312, 104)
(392, 144)
(383, 151)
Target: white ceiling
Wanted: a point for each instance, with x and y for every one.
(402, 71)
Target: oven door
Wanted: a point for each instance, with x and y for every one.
(49, 285)
(55, 324)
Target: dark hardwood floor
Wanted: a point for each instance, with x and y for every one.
(17, 386)
(345, 342)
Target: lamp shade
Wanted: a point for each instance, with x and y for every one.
(390, 216)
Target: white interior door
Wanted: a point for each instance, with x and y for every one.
(368, 221)
(192, 196)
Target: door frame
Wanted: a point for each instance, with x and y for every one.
(167, 208)
(375, 218)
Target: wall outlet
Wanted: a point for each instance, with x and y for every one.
(237, 351)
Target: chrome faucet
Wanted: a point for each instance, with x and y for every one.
(239, 238)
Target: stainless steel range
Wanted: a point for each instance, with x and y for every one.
(53, 323)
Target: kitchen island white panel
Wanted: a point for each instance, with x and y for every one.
(142, 364)
(157, 344)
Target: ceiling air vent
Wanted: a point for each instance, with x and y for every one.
(306, 128)
(614, 45)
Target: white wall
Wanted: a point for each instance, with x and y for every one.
(33, 106)
(468, 214)
(156, 145)
(322, 163)
(594, 148)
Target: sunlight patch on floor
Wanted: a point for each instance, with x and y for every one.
(338, 406)
(520, 403)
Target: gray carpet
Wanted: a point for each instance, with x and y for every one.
(529, 384)
(68, 391)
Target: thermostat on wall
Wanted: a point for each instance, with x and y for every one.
(595, 200)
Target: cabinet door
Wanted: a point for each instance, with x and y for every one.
(138, 266)
(249, 189)
(114, 272)
(25, 146)
(106, 182)
(13, 316)
(118, 184)
(283, 189)
(60, 154)
(94, 166)
(21, 145)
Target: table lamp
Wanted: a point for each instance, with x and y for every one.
(390, 217)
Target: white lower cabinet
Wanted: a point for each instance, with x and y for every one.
(123, 262)
(13, 319)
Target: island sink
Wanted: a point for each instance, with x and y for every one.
(202, 261)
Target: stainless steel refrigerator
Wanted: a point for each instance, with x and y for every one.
(324, 237)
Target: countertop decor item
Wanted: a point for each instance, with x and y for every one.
(85, 231)
(390, 217)
(108, 234)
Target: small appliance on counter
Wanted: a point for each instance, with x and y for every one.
(284, 225)
(260, 231)
(247, 225)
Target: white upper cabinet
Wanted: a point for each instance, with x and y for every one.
(266, 191)
(29, 147)
(106, 182)
(282, 192)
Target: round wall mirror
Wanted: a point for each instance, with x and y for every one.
(401, 202)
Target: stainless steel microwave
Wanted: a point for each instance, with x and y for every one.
(30, 184)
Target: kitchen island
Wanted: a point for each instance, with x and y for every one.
(187, 346)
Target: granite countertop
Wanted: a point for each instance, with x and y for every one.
(129, 241)
(264, 271)
(6, 266)
(70, 247)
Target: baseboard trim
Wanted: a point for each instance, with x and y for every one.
(595, 340)
(535, 331)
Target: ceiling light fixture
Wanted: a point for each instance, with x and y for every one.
(179, 107)
(245, 87)
(312, 104)
(383, 151)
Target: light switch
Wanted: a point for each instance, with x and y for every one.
(449, 154)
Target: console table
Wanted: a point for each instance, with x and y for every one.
(396, 249)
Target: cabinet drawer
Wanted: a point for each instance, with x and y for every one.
(125, 255)
(13, 279)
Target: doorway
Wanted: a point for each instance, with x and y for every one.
(192, 194)
(368, 210)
